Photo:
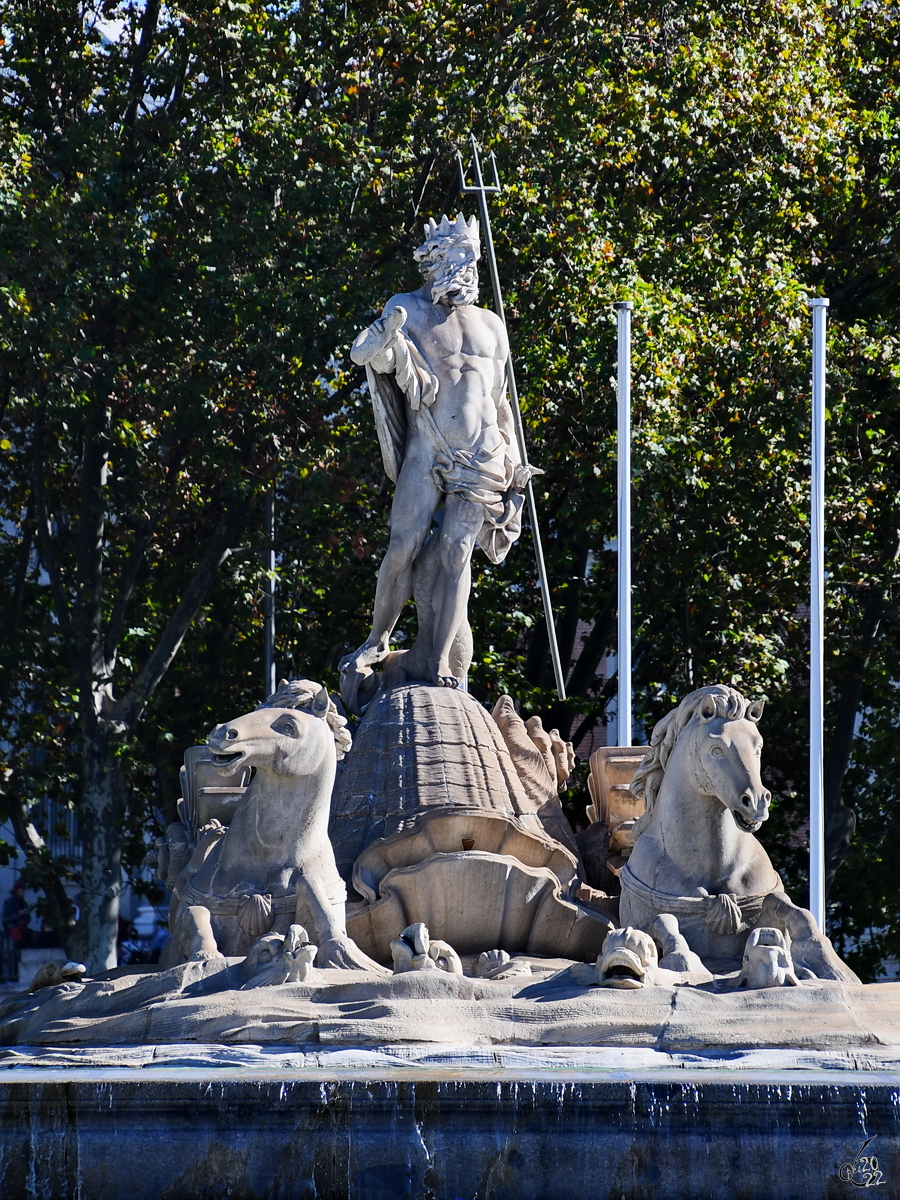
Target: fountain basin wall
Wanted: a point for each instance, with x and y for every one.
(580, 1127)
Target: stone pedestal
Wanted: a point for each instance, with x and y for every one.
(564, 1123)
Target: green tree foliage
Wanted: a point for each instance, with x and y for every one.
(202, 205)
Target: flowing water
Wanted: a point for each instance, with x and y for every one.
(371, 1129)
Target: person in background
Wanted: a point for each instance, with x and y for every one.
(158, 942)
(16, 918)
(131, 948)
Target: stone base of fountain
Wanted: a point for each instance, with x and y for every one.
(567, 1122)
(506, 1074)
(572, 1092)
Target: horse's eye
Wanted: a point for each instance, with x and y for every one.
(717, 752)
(286, 727)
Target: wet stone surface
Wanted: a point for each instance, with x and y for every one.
(301, 1132)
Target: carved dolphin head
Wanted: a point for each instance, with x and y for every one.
(629, 959)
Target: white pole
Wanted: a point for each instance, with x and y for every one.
(269, 683)
(623, 538)
(817, 621)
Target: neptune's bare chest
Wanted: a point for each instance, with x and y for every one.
(457, 335)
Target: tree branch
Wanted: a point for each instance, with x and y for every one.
(593, 648)
(15, 616)
(131, 570)
(48, 547)
(149, 21)
(129, 578)
(591, 720)
(89, 554)
(129, 708)
(39, 866)
(5, 391)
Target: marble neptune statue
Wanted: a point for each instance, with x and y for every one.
(436, 367)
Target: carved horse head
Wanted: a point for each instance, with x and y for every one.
(715, 729)
(288, 735)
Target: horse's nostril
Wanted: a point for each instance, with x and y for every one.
(231, 734)
(745, 800)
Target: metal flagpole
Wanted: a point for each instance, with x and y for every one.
(817, 621)
(269, 598)
(623, 535)
(482, 191)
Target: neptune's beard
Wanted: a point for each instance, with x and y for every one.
(455, 285)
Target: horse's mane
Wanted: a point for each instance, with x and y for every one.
(300, 693)
(648, 778)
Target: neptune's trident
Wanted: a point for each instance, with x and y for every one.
(482, 191)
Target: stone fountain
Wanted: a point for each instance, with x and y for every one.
(394, 970)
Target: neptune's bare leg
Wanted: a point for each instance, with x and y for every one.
(460, 529)
(416, 500)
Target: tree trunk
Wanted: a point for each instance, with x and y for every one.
(103, 722)
(596, 644)
(100, 813)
